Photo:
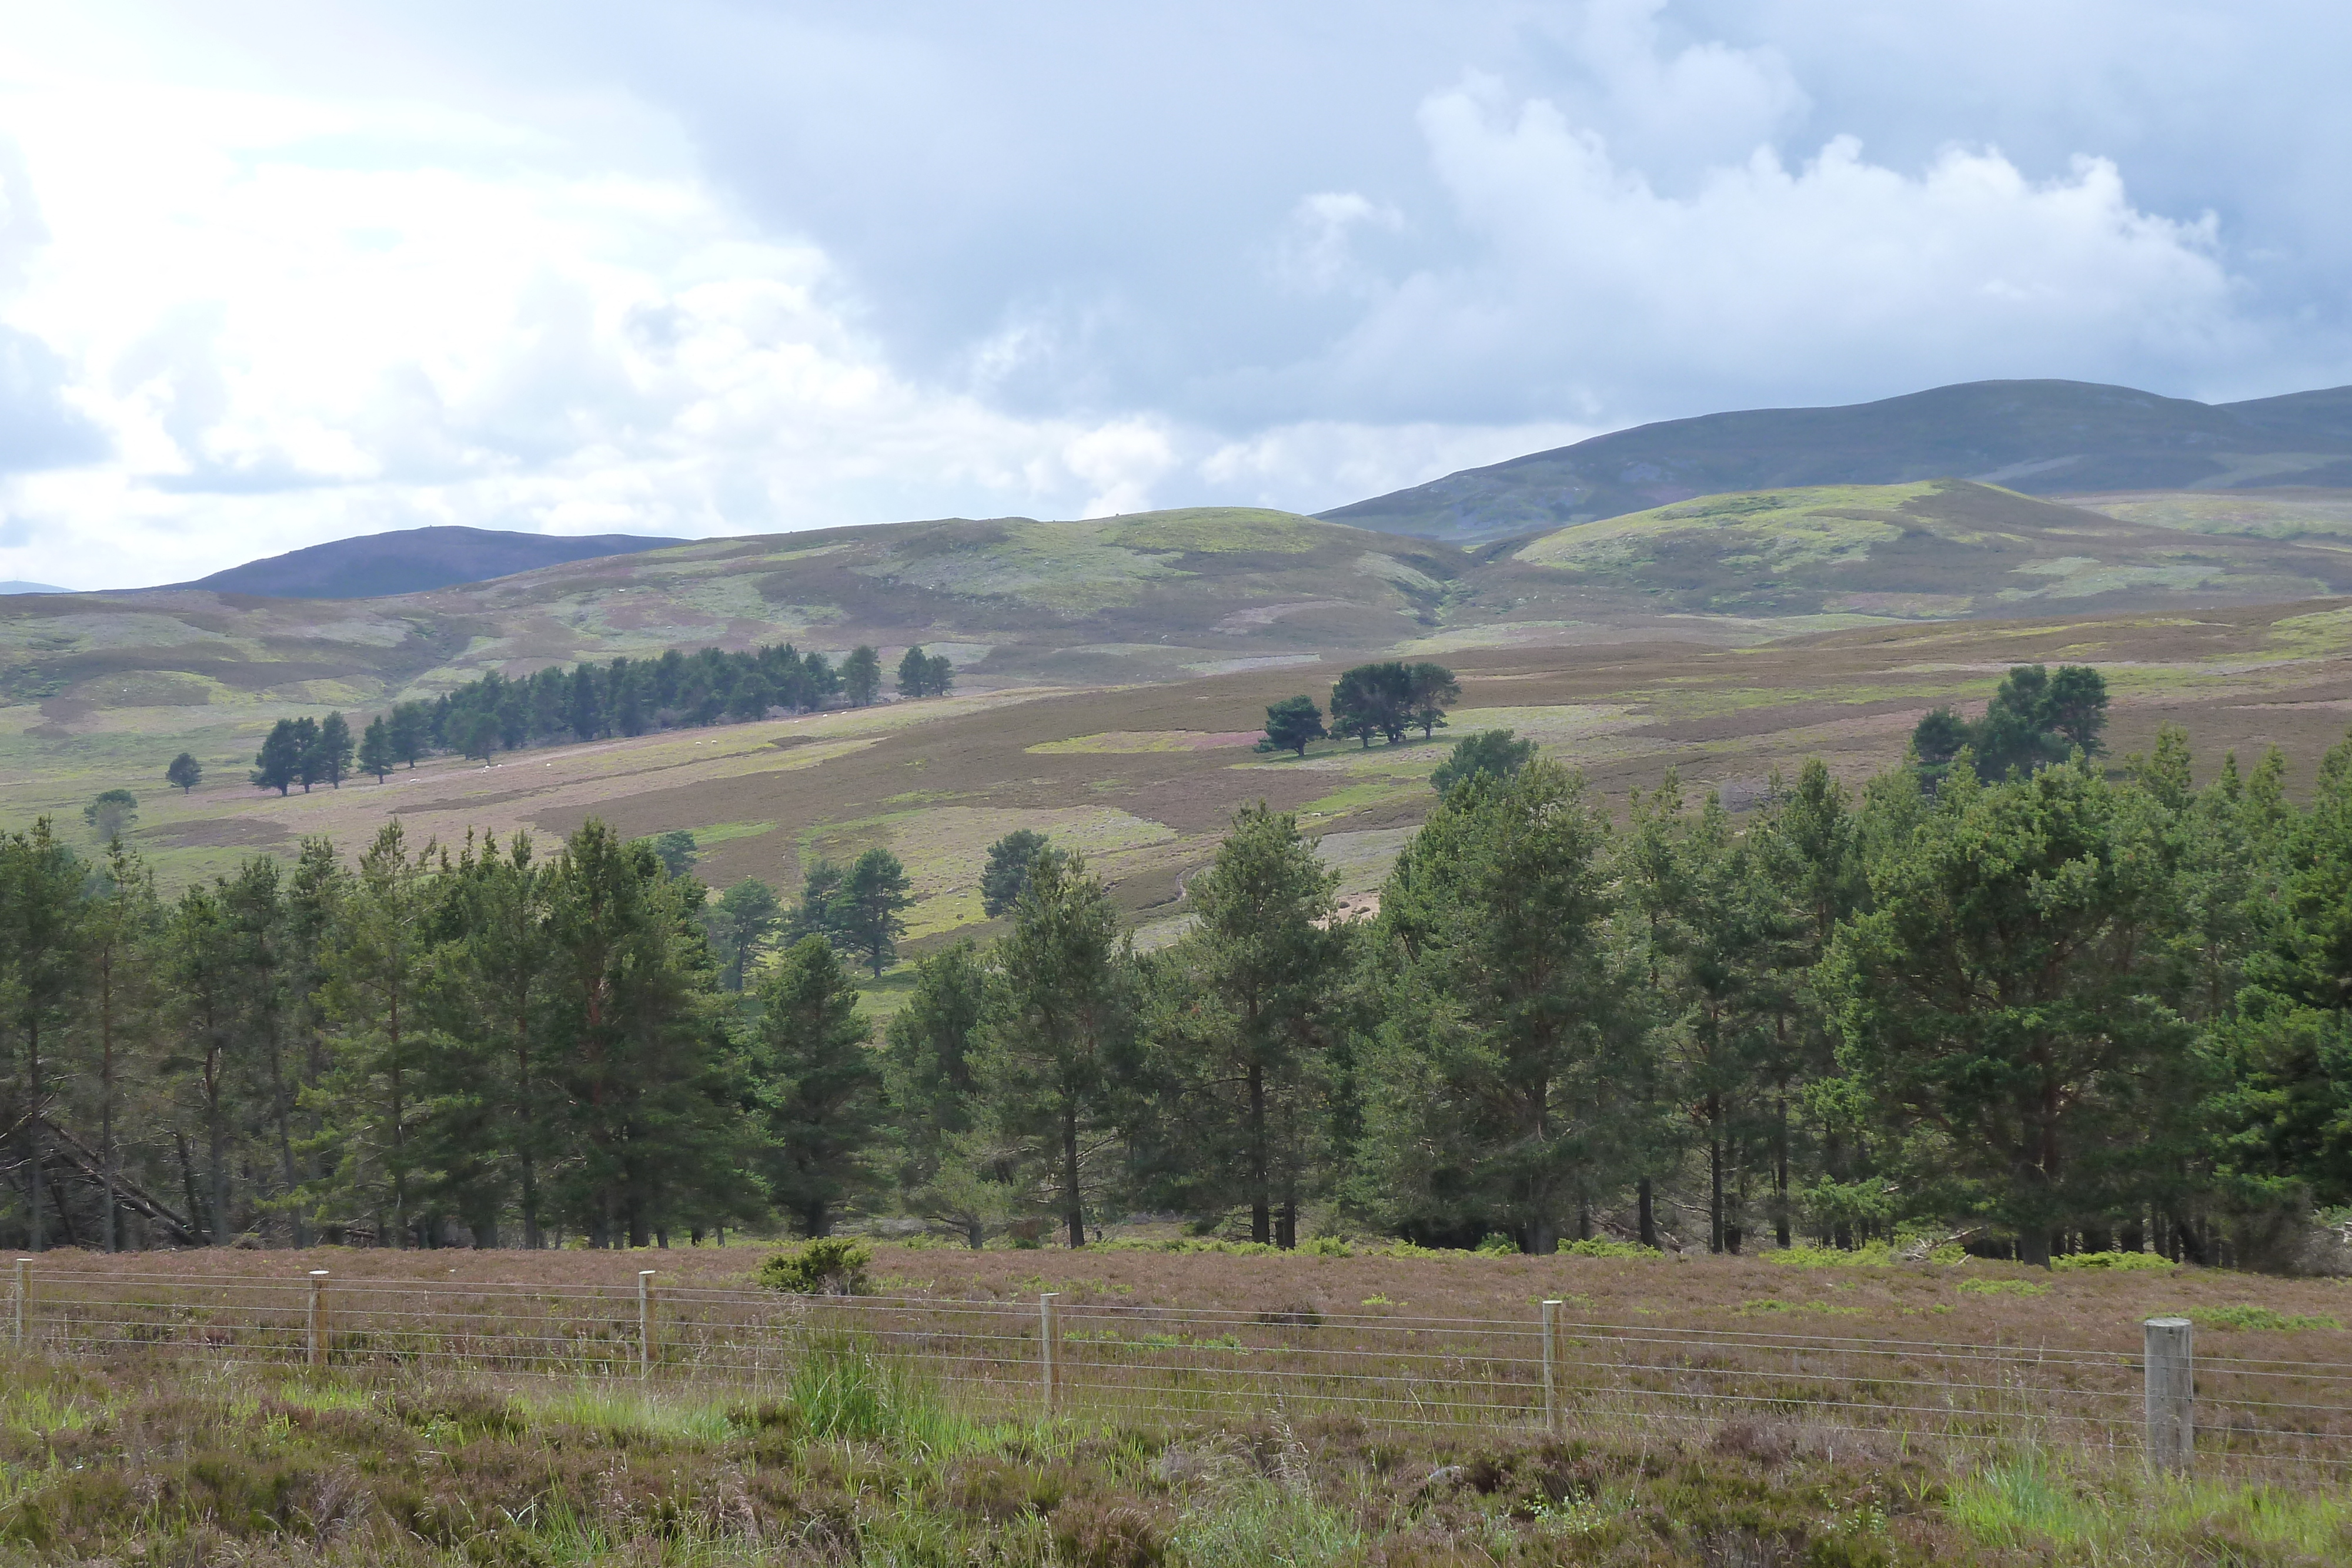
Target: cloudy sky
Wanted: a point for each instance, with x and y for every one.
(273, 273)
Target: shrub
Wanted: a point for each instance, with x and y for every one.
(1326, 1246)
(1600, 1247)
(2257, 1318)
(1869, 1255)
(2114, 1261)
(2003, 1288)
(1497, 1245)
(826, 1266)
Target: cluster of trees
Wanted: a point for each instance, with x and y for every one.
(587, 702)
(1385, 699)
(2048, 1011)
(2034, 718)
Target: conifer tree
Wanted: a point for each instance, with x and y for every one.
(376, 750)
(869, 913)
(1059, 1034)
(334, 749)
(816, 1082)
(185, 773)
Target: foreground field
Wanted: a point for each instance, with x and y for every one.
(847, 1452)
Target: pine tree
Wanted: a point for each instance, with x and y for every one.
(279, 761)
(1058, 1038)
(381, 972)
(42, 943)
(915, 674)
(376, 755)
(185, 773)
(334, 750)
(1496, 1088)
(816, 1082)
(740, 920)
(1007, 871)
(409, 731)
(928, 1068)
(1291, 724)
(1247, 1059)
(2006, 1000)
(861, 677)
(869, 913)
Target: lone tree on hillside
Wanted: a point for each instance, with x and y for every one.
(376, 750)
(1007, 871)
(677, 851)
(861, 677)
(185, 772)
(2034, 719)
(1290, 724)
(1489, 754)
(110, 816)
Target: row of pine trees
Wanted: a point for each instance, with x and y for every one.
(2054, 1011)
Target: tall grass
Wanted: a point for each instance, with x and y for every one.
(2027, 1500)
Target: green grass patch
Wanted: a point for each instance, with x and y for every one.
(2112, 1262)
(2247, 1317)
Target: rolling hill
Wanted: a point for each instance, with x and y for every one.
(2040, 437)
(412, 561)
(1939, 547)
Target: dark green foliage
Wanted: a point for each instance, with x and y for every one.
(2006, 1003)
(821, 1266)
(1059, 1032)
(740, 920)
(279, 761)
(1489, 754)
(1429, 688)
(375, 754)
(334, 750)
(869, 912)
(1373, 699)
(925, 676)
(861, 677)
(111, 813)
(1244, 1025)
(677, 850)
(1291, 725)
(930, 1076)
(1007, 871)
(185, 773)
(1498, 1081)
(2034, 719)
(816, 1085)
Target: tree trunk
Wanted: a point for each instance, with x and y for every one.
(39, 1233)
(188, 1181)
(1073, 1209)
(1261, 1207)
(1780, 1236)
(1714, 1174)
(217, 1146)
(106, 1100)
(1285, 1226)
(282, 1110)
(2034, 1246)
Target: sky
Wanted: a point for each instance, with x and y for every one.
(274, 272)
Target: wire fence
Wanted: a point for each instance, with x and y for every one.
(1112, 1362)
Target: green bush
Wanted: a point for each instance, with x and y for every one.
(1600, 1247)
(1497, 1245)
(1869, 1255)
(2003, 1288)
(826, 1266)
(2248, 1317)
(2122, 1262)
(1326, 1246)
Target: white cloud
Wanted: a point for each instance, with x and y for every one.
(1594, 288)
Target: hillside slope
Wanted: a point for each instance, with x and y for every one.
(2042, 437)
(1939, 547)
(413, 560)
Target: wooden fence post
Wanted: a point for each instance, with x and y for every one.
(1554, 1419)
(2171, 1394)
(1049, 1335)
(314, 1326)
(24, 1300)
(645, 1322)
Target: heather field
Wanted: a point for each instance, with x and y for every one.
(1214, 1407)
(1142, 778)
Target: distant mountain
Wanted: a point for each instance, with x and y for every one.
(2042, 437)
(414, 560)
(14, 585)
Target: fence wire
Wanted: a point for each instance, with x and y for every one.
(1126, 1362)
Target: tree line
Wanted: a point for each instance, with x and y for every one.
(587, 702)
(2066, 1008)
